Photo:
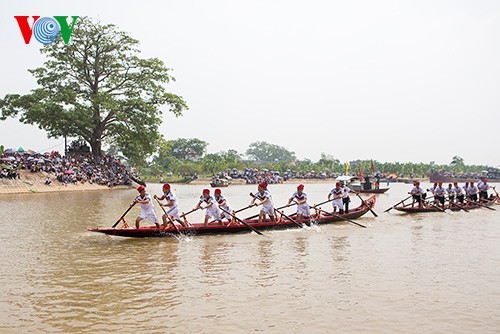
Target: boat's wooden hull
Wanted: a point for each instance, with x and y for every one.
(218, 185)
(214, 228)
(374, 191)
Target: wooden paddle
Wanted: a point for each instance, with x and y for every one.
(290, 219)
(342, 218)
(435, 206)
(395, 205)
(119, 219)
(281, 207)
(187, 213)
(244, 223)
(242, 209)
(484, 206)
(369, 207)
(323, 202)
(459, 206)
(168, 217)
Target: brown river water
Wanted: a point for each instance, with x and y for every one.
(424, 273)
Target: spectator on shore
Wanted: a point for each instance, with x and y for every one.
(102, 170)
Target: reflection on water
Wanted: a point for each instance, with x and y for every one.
(422, 273)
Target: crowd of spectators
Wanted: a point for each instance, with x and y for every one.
(442, 174)
(75, 168)
(255, 175)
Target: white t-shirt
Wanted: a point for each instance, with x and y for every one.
(482, 186)
(346, 191)
(337, 193)
(173, 200)
(214, 208)
(269, 203)
(417, 191)
(472, 190)
(440, 191)
(146, 207)
(226, 206)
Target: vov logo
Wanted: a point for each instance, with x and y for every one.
(46, 29)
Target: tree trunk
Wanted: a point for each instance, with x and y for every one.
(95, 144)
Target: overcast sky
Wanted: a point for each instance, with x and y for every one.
(389, 80)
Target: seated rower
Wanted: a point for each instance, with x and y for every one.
(418, 195)
(147, 208)
(473, 192)
(459, 192)
(433, 191)
(300, 197)
(337, 194)
(451, 194)
(440, 193)
(173, 208)
(483, 187)
(222, 202)
(212, 209)
(266, 200)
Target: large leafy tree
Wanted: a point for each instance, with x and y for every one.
(265, 152)
(98, 88)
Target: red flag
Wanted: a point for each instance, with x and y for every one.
(360, 173)
(372, 168)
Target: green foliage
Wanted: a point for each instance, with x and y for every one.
(99, 89)
(269, 153)
(191, 149)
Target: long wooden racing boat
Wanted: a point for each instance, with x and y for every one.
(234, 227)
(373, 191)
(435, 208)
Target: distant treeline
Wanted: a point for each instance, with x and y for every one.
(183, 157)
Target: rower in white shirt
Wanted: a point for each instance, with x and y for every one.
(473, 192)
(418, 194)
(300, 197)
(211, 207)
(266, 200)
(440, 194)
(171, 204)
(451, 194)
(147, 208)
(337, 194)
(222, 202)
(483, 187)
(433, 190)
(345, 196)
(459, 192)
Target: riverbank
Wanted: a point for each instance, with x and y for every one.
(35, 183)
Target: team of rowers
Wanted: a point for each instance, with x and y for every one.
(454, 194)
(217, 208)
